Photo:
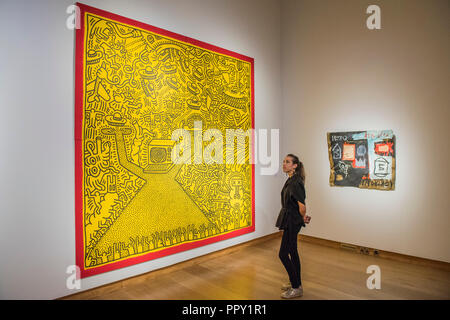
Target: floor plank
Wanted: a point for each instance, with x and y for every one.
(256, 273)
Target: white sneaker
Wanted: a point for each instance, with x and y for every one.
(292, 293)
(286, 286)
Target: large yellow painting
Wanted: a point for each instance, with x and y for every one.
(135, 86)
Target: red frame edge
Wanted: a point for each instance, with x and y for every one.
(79, 237)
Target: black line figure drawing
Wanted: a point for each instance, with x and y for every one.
(139, 87)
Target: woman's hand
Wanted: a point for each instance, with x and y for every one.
(302, 208)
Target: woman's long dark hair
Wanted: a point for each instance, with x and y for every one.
(300, 169)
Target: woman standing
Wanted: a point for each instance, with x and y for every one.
(291, 218)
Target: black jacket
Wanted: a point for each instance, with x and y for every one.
(293, 191)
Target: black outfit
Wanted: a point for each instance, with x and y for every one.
(291, 221)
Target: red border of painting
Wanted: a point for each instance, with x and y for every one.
(78, 145)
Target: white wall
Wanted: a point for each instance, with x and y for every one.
(37, 232)
(339, 76)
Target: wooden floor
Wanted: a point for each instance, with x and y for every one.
(255, 272)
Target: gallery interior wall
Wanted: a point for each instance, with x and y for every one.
(37, 233)
(337, 75)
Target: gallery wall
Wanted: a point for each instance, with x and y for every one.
(337, 75)
(37, 231)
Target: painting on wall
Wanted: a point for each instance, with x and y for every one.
(135, 85)
(363, 159)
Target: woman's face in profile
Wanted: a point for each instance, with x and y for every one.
(288, 165)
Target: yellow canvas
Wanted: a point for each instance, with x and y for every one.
(136, 84)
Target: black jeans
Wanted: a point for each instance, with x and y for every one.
(289, 255)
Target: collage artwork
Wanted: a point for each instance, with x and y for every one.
(362, 159)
